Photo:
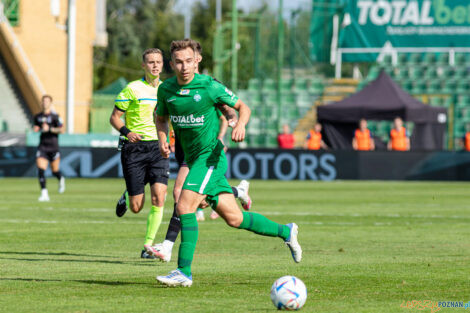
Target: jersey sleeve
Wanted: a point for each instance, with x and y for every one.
(36, 120)
(58, 121)
(124, 98)
(221, 94)
(161, 109)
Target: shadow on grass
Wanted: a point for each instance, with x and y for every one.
(137, 263)
(52, 253)
(83, 281)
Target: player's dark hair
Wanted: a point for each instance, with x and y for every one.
(46, 96)
(196, 45)
(151, 51)
(177, 45)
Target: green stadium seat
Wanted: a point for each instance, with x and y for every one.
(434, 87)
(302, 96)
(436, 101)
(443, 59)
(288, 97)
(286, 84)
(419, 87)
(254, 84)
(254, 96)
(402, 59)
(406, 84)
(270, 96)
(387, 60)
(430, 73)
(402, 73)
(448, 102)
(447, 72)
(415, 59)
(300, 84)
(461, 72)
(462, 86)
(463, 101)
(316, 86)
(269, 85)
(416, 73)
(449, 86)
(465, 114)
(460, 59)
(430, 58)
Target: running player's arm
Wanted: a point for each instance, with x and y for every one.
(244, 112)
(229, 113)
(121, 104)
(161, 122)
(37, 125)
(57, 129)
(222, 94)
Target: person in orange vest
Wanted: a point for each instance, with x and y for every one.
(399, 140)
(314, 140)
(362, 140)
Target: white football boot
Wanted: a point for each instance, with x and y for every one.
(243, 196)
(200, 215)
(164, 251)
(176, 278)
(292, 242)
(44, 197)
(62, 185)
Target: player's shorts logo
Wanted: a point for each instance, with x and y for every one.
(197, 97)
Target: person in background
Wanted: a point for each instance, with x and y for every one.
(50, 125)
(399, 140)
(314, 139)
(362, 140)
(466, 140)
(286, 139)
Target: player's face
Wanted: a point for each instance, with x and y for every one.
(184, 64)
(153, 64)
(398, 123)
(46, 103)
(363, 124)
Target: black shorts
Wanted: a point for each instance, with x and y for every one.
(179, 154)
(48, 153)
(142, 163)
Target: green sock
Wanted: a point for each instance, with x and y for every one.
(189, 234)
(261, 225)
(153, 223)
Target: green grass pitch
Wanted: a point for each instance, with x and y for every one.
(368, 246)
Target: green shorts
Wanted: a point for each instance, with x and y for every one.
(207, 175)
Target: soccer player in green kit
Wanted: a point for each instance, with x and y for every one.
(189, 101)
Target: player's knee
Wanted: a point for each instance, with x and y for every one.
(135, 206)
(234, 221)
(181, 208)
(158, 201)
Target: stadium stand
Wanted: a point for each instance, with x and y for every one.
(13, 111)
(432, 79)
(297, 98)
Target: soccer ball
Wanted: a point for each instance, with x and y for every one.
(288, 293)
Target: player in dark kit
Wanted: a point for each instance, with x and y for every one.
(50, 125)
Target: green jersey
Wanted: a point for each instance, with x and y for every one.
(138, 100)
(193, 113)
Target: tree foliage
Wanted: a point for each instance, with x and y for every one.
(134, 25)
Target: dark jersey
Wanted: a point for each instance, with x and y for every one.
(48, 139)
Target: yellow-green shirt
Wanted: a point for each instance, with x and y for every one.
(138, 100)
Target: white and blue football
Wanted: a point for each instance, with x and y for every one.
(288, 293)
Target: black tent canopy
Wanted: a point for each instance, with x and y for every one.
(383, 99)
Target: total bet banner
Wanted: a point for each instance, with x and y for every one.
(404, 23)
